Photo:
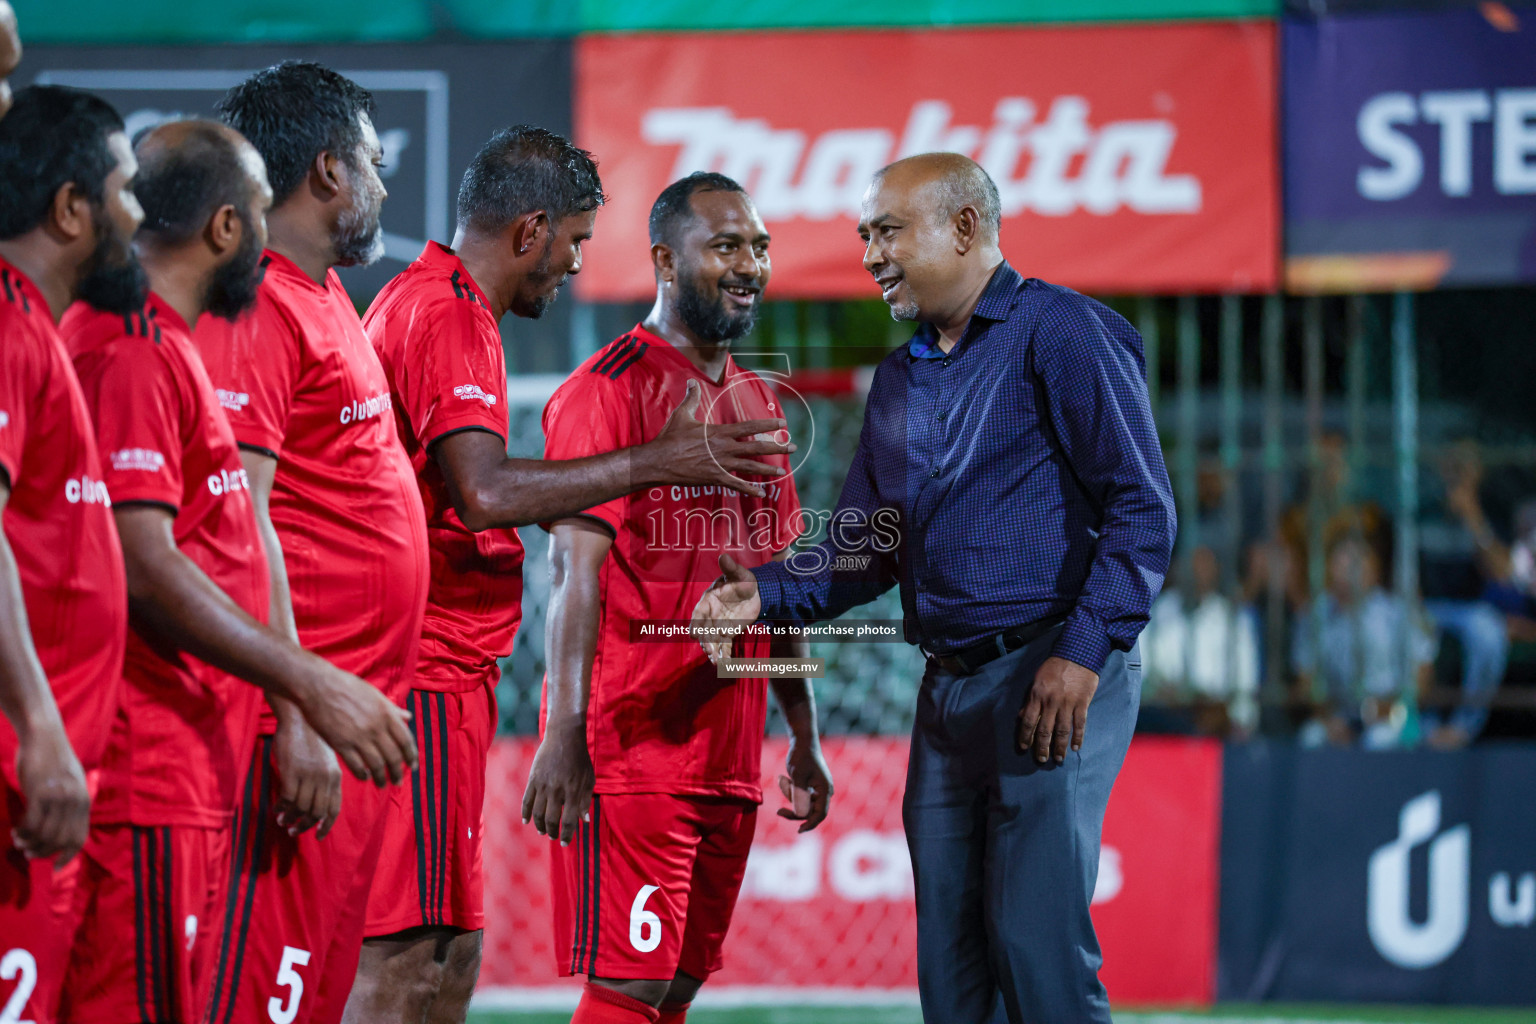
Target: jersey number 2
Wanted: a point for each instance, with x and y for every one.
(644, 926)
(21, 965)
(284, 1012)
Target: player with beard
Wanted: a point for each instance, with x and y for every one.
(67, 214)
(181, 743)
(344, 534)
(527, 202)
(649, 761)
(10, 53)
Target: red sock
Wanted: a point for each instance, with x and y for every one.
(673, 1013)
(601, 1005)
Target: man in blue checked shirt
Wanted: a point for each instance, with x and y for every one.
(1011, 445)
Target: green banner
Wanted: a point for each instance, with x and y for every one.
(251, 21)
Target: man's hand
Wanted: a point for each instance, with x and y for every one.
(807, 787)
(689, 452)
(731, 598)
(1056, 709)
(364, 727)
(559, 792)
(58, 804)
(308, 778)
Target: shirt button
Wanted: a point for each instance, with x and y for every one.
(940, 417)
(934, 473)
(946, 360)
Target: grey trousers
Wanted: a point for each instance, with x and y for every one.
(1005, 851)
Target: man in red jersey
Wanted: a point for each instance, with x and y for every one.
(671, 751)
(156, 861)
(527, 202)
(344, 535)
(66, 218)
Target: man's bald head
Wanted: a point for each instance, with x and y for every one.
(930, 226)
(188, 170)
(10, 53)
(952, 182)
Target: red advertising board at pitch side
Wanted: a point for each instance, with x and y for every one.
(833, 907)
(1129, 159)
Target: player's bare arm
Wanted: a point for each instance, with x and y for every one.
(58, 805)
(309, 780)
(171, 596)
(559, 792)
(807, 782)
(729, 603)
(490, 490)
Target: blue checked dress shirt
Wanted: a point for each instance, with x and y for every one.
(1016, 479)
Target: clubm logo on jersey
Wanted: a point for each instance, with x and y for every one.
(1127, 158)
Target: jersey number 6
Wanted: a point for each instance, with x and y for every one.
(644, 926)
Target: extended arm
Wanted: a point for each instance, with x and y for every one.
(807, 784)
(170, 596)
(490, 490)
(57, 804)
(559, 792)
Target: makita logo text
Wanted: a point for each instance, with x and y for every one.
(92, 492)
(474, 393)
(234, 401)
(227, 481)
(144, 459)
(367, 409)
(1052, 163)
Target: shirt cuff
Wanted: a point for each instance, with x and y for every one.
(1083, 642)
(770, 589)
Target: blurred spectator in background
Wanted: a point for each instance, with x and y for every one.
(1331, 507)
(1357, 652)
(10, 53)
(1463, 564)
(1200, 652)
(1517, 598)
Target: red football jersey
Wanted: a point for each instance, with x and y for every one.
(659, 719)
(59, 524)
(441, 350)
(300, 382)
(184, 731)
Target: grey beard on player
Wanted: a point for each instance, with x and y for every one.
(359, 238)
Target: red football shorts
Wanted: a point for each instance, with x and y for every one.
(37, 923)
(648, 886)
(150, 902)
(430, 868)
(294, 908)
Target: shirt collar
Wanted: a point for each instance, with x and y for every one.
(157, 308)
(444, 260)
(996, 302)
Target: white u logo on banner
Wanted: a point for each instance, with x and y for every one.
(1397, 937)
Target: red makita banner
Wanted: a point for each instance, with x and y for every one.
(833, 907)
(1129, 159)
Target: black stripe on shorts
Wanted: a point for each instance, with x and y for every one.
(251, 835)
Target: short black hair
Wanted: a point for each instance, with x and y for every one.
(523, 169)
(674, 207)
(294, 111)
(53, 136)
(181, 185)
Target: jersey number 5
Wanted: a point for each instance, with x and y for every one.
(279, 1011)
(644, 926)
